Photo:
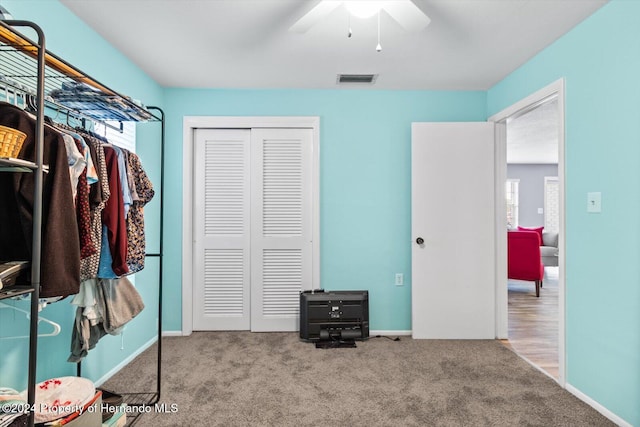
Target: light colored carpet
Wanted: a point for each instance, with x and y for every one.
(274, 379)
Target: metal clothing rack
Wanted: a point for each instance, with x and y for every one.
(37, 169)
(28, 65)
(141, 399)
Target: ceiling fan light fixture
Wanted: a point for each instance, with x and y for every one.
(364, 9)
(404, 12)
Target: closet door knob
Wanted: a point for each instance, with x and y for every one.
(420, 240)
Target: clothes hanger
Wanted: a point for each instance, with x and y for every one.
(57, 114)
(31, 103)
(56, 327)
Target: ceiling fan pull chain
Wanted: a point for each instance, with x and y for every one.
(350, 33)
(379, 46)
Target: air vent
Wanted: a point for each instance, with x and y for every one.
(357, 78)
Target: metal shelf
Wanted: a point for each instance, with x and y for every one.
(15, 291)
(65, 86)
(8, 164)
(139, 400)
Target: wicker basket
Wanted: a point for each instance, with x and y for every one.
(10, 141)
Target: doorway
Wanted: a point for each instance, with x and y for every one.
(534, 327)
(250, 227)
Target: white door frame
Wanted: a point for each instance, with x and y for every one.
(555, 89)
(190, 124)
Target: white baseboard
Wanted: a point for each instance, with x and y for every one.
(125, 362)
(172, 333)
(389, 333)
(598, 407)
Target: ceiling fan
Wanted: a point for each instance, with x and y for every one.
(405, 12)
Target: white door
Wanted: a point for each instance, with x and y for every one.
(221, 286)
(281, 226)
(453, 270)
(252, 228)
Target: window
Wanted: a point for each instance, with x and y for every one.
(125, 139)
(551, 204)
(511, 192)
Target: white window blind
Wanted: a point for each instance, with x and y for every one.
(125, 139)
(511, 192)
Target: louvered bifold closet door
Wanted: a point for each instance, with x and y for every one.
(281, 212)
(221, 288)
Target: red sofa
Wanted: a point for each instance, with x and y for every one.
(524, 261)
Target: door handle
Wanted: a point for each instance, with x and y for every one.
(420, 240)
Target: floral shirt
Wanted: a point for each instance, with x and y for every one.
(135, 219)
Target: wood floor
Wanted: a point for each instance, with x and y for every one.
(533, 322)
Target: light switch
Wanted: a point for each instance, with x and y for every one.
(594, 202)
(540, 211)
(399, 279)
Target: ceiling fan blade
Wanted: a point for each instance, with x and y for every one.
(407, 14)
(315, 15)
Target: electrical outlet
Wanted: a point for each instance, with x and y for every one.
(594, 202)
(399, 279)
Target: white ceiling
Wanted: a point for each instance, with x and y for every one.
(533, 136)
(469, 44)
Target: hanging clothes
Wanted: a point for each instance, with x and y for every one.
(83, 212)
(82, 173)
(135, 220)
(60, 267)
(114, 302)
(93, 217)
(77, 162)
(136, 190)
(113, 216)
(99, 193)
(123, 171)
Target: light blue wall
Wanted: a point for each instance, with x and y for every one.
(600, 61)
(365, 181)
(74, 41)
